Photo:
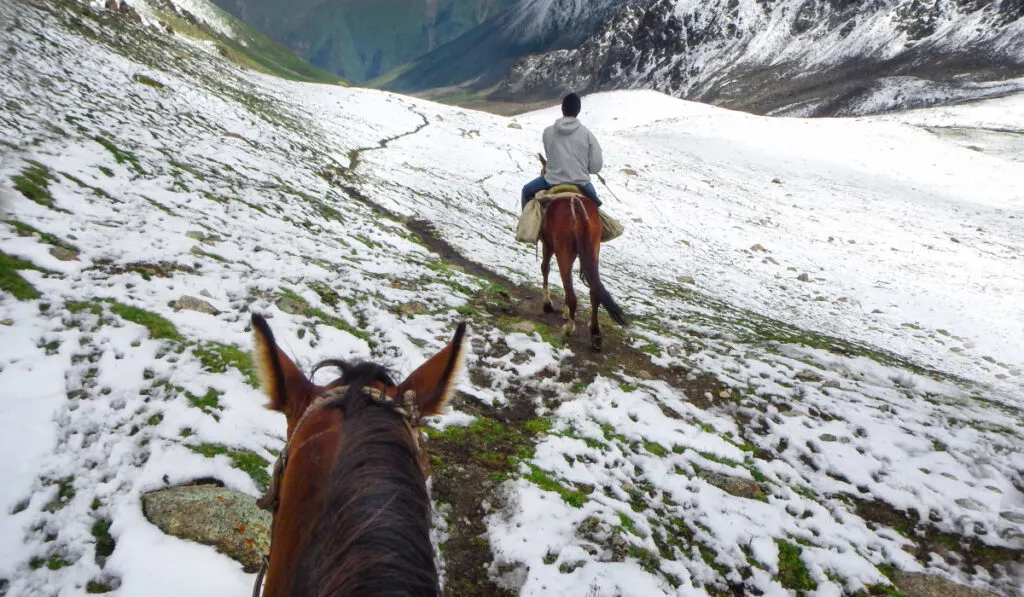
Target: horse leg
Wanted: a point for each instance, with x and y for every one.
(565, 261)
(545, 269)
(595, 329)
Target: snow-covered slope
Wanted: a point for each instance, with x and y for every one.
(798, 57)
(881, 394)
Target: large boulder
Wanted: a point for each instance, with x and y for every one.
(917, 584)
(227, 520)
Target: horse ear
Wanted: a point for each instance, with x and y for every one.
(277, 373)
(434, 381)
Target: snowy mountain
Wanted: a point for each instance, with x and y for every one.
(362, 39)
(821, 393)
(796, 57)
(483, 55)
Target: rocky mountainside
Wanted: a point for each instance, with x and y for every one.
(361, 39)
(483, 55)
(798, 57)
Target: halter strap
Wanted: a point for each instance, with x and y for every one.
(408, 408)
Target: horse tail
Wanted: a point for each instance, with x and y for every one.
(588, 264)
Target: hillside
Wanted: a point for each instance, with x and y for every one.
(821, 393)
(362, 39)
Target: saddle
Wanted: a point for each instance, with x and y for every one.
(530, 221)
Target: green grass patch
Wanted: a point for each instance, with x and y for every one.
(155, 420)
(97, 588)
(105, 543)
(627, 524)
(34, 184)
(217, 357)
(327, 318)
(65, 493)
(25, 230)
(545, 481)
(140, 78)
(159, 328)
(12, 282)
(792, 570)
(208, 402)
(647, 559)
(246, 461)
(122, 157)
(655, 448)
(53, 562)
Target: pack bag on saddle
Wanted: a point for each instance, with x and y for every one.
(528, 230)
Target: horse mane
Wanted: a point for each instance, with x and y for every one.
(373, 535)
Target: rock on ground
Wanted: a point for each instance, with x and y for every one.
(916, 584)
(227, 520)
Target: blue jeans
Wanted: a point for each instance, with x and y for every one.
(541, 184)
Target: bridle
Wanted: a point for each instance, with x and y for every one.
(408, 408)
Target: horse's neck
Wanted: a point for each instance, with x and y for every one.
(373, 535)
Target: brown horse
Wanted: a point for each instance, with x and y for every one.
(349, 496)
(572, 227)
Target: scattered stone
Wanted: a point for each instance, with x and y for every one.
(790, 269)
(689, 377)
(526, 327)
(832, 384)
(776, 181)
(808, 375)
(292, 306)
(205, 293)
(191, 303)
(804, 278)
(918, 584)
(954, 239)
(63, 254)
(684, 242)
(227, 520)
(413, 309)
(515, 125)
(911, 326)
(196, 235)
(7, 322)
(769, 260)
(686, 280)
(877, 311)
(758, 249)
(827, 437)
(629, 172)
(744, 488)
(842, 299)
(725, 394)
(950, 476)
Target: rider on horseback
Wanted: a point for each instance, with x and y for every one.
(573, 154)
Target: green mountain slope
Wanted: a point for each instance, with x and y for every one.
(244, 45)
(362, 39)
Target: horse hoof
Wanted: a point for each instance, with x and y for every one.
(596, 343)
(549, 308)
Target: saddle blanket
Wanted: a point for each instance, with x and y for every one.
(528, 230)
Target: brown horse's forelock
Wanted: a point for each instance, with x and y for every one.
(373, 535)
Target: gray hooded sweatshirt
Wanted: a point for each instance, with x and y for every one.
(572, 151)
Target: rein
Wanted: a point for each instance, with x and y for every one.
(407, 408)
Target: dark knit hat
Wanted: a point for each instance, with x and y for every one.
(571, 105)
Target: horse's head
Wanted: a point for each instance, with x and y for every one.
(292, 393)
(351, 511)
